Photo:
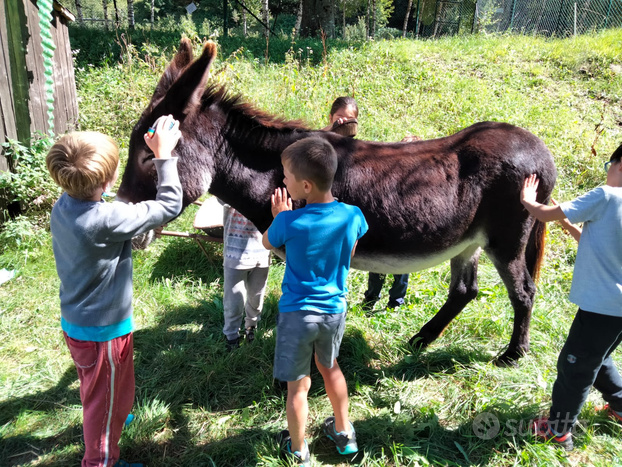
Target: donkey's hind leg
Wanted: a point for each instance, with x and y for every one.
(521, 291)
(462, 289)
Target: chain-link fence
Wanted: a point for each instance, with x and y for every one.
(435, 18)
(549, 17)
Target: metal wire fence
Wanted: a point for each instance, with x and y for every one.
(435, 18)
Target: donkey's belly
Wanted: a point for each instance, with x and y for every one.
(402, 264)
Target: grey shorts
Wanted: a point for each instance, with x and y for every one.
(298, 333)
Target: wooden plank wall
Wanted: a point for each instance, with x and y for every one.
(34, 62)
(65, 96)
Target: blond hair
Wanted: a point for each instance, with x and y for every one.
(83, 161)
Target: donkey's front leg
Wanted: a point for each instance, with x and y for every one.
(462, 289)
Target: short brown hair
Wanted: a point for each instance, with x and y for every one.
(312, 159)
(81, 162)
(617, 155)
(342, 103)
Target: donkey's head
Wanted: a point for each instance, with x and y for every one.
(178, 93)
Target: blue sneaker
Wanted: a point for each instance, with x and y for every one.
(302, 459)
(130, 418)
(345, 442)
(121, 463)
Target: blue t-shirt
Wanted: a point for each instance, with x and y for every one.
(597, 277)
(318, 243)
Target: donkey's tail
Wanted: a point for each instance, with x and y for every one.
(534, 253)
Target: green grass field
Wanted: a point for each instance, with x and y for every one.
(198, 405)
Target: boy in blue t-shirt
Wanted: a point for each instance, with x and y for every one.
(320, 240)
(585, 359)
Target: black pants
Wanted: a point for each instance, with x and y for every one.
(396, 293)
(585, 360)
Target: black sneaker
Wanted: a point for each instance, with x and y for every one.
(233, 344)
(345, 442)
(543, 431)
(296, 457)
(250, 334)
(368, 305)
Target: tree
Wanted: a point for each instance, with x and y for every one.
(79, 12)
(130, 13)
(298, 19)
(105, 5)
(406, 16)
(317, 15)
(265, 13)
(116, 13)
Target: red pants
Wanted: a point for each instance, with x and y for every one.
(106, 372)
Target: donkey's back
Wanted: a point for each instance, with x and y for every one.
(427, 200)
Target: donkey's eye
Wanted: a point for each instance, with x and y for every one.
(148, 157)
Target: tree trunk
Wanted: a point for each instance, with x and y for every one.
(130, 13)
(367, 21)
(373, 21)
(79, 12)
(298, 20)
(244, 25)
(408, 8)
(105, 5)
(317, 15)
(265, 14)
(343, 32)
(116, 13)
(152, 12)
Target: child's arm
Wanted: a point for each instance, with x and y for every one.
(569, 227)
(540, 211)
(280, 202)
(125, 221)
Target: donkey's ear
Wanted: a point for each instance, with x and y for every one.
(182, 59)
(185, 93)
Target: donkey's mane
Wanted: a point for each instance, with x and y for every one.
(244, 120)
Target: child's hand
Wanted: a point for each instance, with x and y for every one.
(280, 201)
(164, 138)
(530, 189)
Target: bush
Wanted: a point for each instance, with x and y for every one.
(28, 182)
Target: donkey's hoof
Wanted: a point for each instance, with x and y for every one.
(508, 359)
(418, 342)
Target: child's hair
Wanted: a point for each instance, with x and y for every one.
(312, 159)
(81, 162)
(342, 102)
(617, 154)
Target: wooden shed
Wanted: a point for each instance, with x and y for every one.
(23, 50)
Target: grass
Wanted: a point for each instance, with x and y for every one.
(198, 405)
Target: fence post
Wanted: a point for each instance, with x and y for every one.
(474, 18)
(608, 11)
(417, 21)
(512, 15)
(574, 27)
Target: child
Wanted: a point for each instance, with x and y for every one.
(92, 247)
(345, 109)
(319, 241)
(596, 331)
(246, 264)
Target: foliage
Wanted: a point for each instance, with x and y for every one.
(199, 405)
(28, 182)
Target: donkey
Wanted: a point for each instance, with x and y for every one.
(425, 201)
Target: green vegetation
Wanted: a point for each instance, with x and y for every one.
(198, 405)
